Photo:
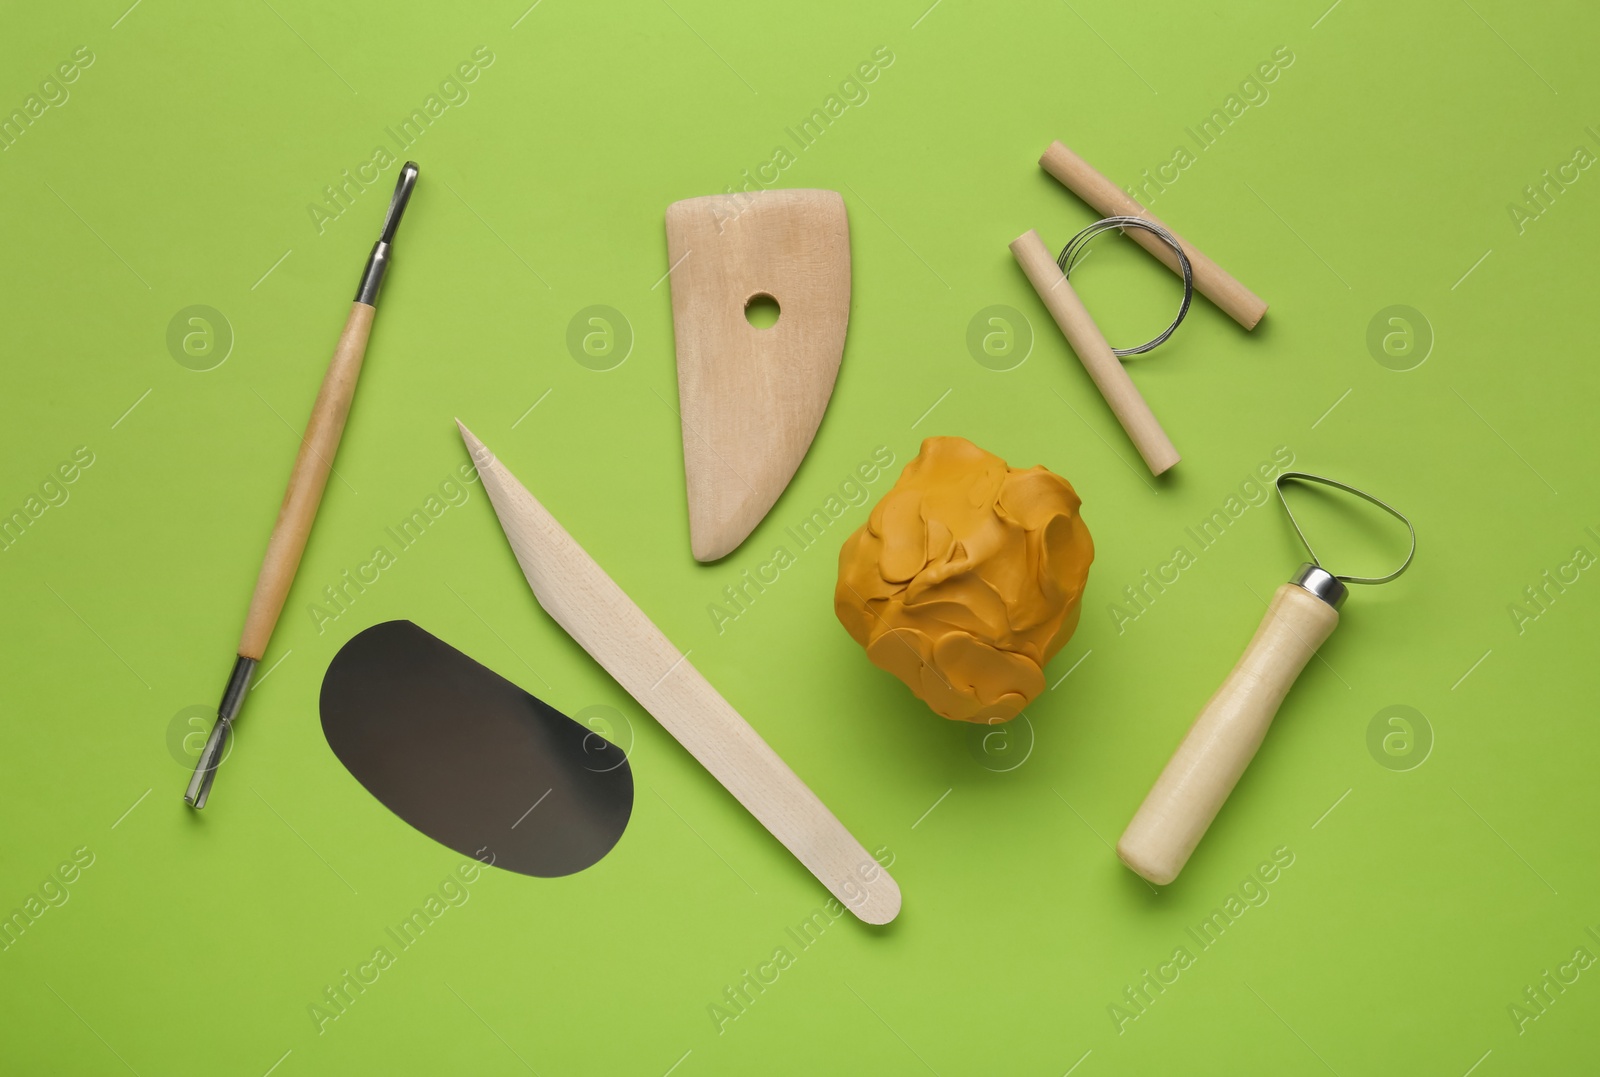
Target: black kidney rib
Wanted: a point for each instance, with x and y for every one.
(470, 759)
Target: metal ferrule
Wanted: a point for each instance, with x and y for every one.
(372, 275)
(382, 251)
(1322, 583)
(216, 749)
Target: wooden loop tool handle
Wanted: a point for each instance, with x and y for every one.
(306, 482)
(1109, 200)
(1224, 738)
(1093, 351)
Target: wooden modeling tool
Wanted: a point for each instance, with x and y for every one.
(752, 398)
(1093, 351)
(604, 621)
(306, 483)
(1109, 200)
(1225, 736)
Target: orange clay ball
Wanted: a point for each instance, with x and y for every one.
(966, 579)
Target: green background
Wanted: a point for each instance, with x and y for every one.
(1420, 903)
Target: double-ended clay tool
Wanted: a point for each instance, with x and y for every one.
(595, 612)
(1225, 736)
(306, 483)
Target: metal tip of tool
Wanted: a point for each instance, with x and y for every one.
(378, 261)
(397, 205)
(205, 769)
(216, 749)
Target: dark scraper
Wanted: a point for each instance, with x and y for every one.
(469, 758)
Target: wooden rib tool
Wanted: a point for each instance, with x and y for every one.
(751, 398)
(604, 621)
(300, 500)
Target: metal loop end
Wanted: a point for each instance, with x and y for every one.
(1304, 476)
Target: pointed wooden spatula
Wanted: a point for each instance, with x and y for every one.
(751, 398)
(586, 602)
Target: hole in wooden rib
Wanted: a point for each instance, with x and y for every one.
(761, 310)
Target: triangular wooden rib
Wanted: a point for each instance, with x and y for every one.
(751, 399)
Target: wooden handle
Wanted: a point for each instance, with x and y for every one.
(1224, 738)
(575, 590)
(1109, 200)
(1093, 351)
(306, 482)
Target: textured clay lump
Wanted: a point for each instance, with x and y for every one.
(966, 579)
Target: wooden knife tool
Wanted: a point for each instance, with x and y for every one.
(585, 601)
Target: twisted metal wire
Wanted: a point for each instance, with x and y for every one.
(1077, 246)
